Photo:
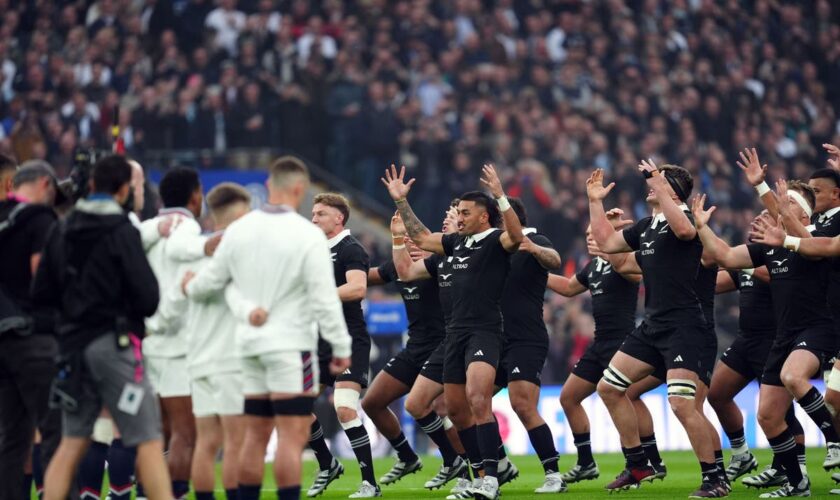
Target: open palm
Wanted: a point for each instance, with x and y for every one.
(395, 182)
(701, 216)
(595, 188)
(752, 167)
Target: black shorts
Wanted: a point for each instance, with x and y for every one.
(521, 362)
(463, 348)
(597, 357)
(708, 357)
(819, 341)
(688, 347)
(406, 365)
(433, 367)
(748, 355)
(359, 370)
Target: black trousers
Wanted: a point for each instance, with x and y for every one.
(27, 368)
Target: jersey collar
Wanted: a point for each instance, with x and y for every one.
(335, 240)
(660, 217)
(529, 230)
(176, 210)
(828, 214)
(475, 238)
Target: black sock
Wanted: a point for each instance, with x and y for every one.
(121, 469)
(814, 405)
(800, 453)
(709, 471)
(180, 489)
(249, 491)
(635, 456)
(543, 443)
(204, 495)
(404, 451)
(140, 493)
(432, 425)
(232, 494)
(360, 442)
(785, 448)
(651, 450)
(37, 470)
(469, 438)
(288, 493)
(319, 445)
(27, 486)
(91, 470)
(502, 452)
(488, 443)
(721, 468)
(584, 449)
(736, 439)
(793, 423)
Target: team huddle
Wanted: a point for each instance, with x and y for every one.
(249, 330)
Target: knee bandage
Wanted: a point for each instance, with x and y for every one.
(682, 388)
(447, 424)
(347, 398)
(615, 378)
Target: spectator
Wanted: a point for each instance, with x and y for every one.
(227, 23)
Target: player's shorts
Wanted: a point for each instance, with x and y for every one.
(521, 362)
(708, 357)
(114, 378)
(465, 347)
(218, 394)
(169, 376)
(359, 371)
(595, 360)
(748, 355)
(819, 341)
(406, 365)
(433, 367)
(288, 372)
(687, 347)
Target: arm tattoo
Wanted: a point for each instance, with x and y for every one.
(547, 258)
(413, 226)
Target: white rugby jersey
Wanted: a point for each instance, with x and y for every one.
(279, 261)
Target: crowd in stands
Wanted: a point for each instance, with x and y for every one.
(544, 89)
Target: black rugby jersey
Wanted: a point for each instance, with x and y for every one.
(440, 268)
(613, 299)
(348, 254)
(524, 294)
(828, 224)
(422, 306)
(705, 287)
(755, 305)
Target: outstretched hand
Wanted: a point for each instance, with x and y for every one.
(394, 181)
(833, 156)
(614, 216)
(752, 167)
(782, 199)
(490, 179)
(595, 188)
(701, 216)
(649, 168)
(768, 231)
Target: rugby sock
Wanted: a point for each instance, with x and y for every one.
(584, 449)
(91, 470)
(635, 456)
(249, 491)
(469, 438)
(651, 450)
(404, 451)
(738, 442)
(543, 443)
(319, 446)
(709, 471)
(204, 495)
(288, 493)
(501, 451)
(27, 486)
(37, 470)
(721, 468)
(120, 469)
(800, 454)
(488, 444)
(180, 489)
(793, 423)
(814, 405)
(785, 448)
(432, 425)
(232, 494)
(360, 442)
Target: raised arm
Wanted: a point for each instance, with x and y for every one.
(419, 233)
(567, 287)
(407, 268)
(608, 239)
(512, 237)
(756, 175)
(764, 231)
(547, 257)
(715, 248)
(678, 221)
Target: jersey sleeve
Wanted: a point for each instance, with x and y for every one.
(583, 275)
(633, 234)
(431, 264)
(388, 272)
(736, 278)
(758, 252)
(541, 240)
(448, 242)
(354, 257)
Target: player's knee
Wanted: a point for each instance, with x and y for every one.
(415, 408)
(609, 393)
(793, 382)
(522, 406)
(681, 396)
(479, 403)
(346, 403)
(832, 401)
(769, 421)
(371, 405)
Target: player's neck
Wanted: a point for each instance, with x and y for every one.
(281, 198)
(335, 232)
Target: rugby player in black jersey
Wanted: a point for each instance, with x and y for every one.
(481, 254)
(672, 335)
(525, 346)
(331, 212)
(614, 299)
(804, 338)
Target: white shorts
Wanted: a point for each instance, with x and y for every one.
(288, 372)
(218, 394)
(169, 376)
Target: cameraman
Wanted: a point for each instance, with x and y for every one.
(27, 345)
(95, 272)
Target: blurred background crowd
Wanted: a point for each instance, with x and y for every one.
(544, 89)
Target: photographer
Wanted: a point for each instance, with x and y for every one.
(95, 272)
(27, 345)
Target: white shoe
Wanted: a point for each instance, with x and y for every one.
(803, 489)
(367, 490)
(832, 456)
(488, 488)
(446, 474)
(464, 489)
(507, 471)
(324, 478)
(553, 484)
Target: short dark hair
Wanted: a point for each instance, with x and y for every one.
(110, 174)
(178, 185)
(519, 207)
(7, 163)
(826, 173)
(225, 194)
(680, 180)
(337, 201)
(484, 200)
(805, 190)
(454, 202)
(285, 167)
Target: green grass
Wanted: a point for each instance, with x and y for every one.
(683, 478)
